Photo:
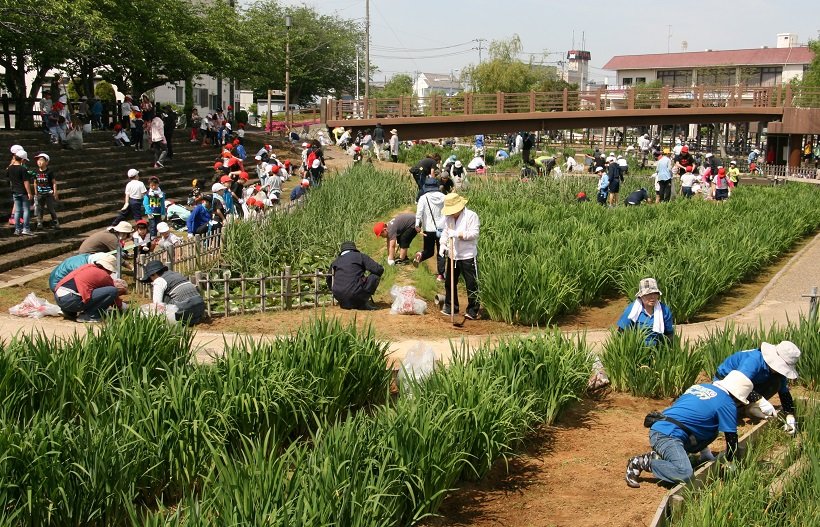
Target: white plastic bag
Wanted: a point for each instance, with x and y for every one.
(418, 363)
(35, 307)
(405, 301)
(169, 310)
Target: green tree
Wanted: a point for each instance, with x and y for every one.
(808, 88)
(398, 86)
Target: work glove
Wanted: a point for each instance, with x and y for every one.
(767, 408)
(791, 425)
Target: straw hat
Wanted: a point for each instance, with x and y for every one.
(647, 286)
(124, 227)
(107, 262)
(738, 385)
(781, 358)
(453, 204)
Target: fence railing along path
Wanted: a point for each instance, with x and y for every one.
(195, 253)
(635, 98)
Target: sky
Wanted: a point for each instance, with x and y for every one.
(440, 36)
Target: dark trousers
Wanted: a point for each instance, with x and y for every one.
(169, 147)
(137, 138)
(44, 201)
(469, 269)
(153, 220)
(159, 151)
(666, 189)
(134, 209)
(358, 299)
(101, 299)
(431, 248)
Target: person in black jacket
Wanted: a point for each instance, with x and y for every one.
(347, 280)
(169, 120)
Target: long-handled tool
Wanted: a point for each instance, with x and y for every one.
(460, 323)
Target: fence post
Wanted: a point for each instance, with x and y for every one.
(286, 288)
(198, 278)
(499, 102)
(566, 100)
(262, 293)
(226, 276)
(170, 250)
(813, 297)
(532, 101)
(316, 289)
(665, 97)
(242, 292)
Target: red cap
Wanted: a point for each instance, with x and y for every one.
(287, 163)
(244, 175)
(225, 179)
(274, 168)
(258, 187)
(141, 222)
(235, 142)
(721, 171)
(230, 107)
(233, 161)
(218, 166)
(227, 154)
(250, 202)
(689, 168)
(229, 147)
(268, 147)
(138, 115)
(581, 195)
(379, 228)
(241, 125)
(684, 149)
(358, 149)
(117, 127)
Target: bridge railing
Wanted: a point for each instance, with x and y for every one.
(633, 98)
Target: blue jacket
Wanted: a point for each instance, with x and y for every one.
(297, 193)
(705, 409)
(199, 216)
(751, 364)
(65, 267)
(154, 203)
(647, 321)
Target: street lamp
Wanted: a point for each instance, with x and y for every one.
(288, 23)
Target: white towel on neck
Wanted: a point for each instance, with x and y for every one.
(657, 324)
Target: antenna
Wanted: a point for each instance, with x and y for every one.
(668, 38)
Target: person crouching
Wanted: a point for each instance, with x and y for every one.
(170, 287)
(354, 278)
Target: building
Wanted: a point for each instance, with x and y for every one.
(427, 84)
(576, 68)
(751, 67)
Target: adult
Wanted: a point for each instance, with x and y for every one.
(684, 160)
(616, 177)
(647, 312)
(689, 426)
(527, 144)
(769, 367)
(107, 240)
(664, 178)
(134, 192)
(68, 265)
(643, 145)
(636, 197)
(461, 230)
(158, 141)
(400, 232)
(354, 278)
(430, 222)
(125, 107)
(546, 163)
(21, 192)
(169, 124)
(88, 291)
(172, 288)
(394, 145)
(378, 138)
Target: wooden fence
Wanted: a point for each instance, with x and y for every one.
(195, 253)
(227, 295)
(784, 171)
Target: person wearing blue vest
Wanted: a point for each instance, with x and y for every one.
(648, 312)
(68, 265)
(689, 426)
(769, 367)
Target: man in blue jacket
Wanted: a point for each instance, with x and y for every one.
(354, 278)
(770, 368)
(689, 426)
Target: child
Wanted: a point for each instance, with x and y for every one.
(138, 127)
(120, 137)
(142, 239)
(239, 149)
(357, 155)
(603, 186)
(154, 204)
(46, 185)
(687, 181)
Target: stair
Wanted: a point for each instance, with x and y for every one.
(91, 184)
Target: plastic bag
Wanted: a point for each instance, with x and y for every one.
(35, 307)
(418, 363)
(169, 310)
(405, 301)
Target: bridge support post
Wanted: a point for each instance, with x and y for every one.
(795, 150)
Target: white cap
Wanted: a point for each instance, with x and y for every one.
(258, 158)
(43, 155)
(316, 163)
(133, 172)
(162, 227)
(15, 148)
(22, 154)
(305, 183)
(216, 187)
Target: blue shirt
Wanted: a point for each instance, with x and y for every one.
(199, 216)
(65, 267)
(239, 151)
(664, 168)
(752, 364)
(603, 184)
(647, 321)
(705, 409)
(297, 192)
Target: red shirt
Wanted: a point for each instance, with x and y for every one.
(86, 279)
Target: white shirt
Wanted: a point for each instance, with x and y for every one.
(687, 179)
(157, 130)
(570, 164)
(139, 241)
(160, 285)
(431, 202)
(172, 239)
(475, 163)
(135, 189)
(464, 232)
(126, 109)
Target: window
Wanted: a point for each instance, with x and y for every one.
(627, 81)
(676, 78)
(770, 76)
(211, 101)
(180, 95)
(640, 80)
(717, 77)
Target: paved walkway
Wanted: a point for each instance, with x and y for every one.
(780, 300)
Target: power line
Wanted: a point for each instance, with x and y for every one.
(420, 50)
(454, 53)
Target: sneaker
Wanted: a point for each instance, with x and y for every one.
(632, 474)
(471, 316)
(402, 261)
(85, 319)
(55, 224)
(40, 227)
(17, 233)
(446, 311)
(417, 260)
(440, 278)
(27, 232)
(158, 165)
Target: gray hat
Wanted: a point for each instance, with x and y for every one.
(647, 286)
(348, 246)
(152, 267)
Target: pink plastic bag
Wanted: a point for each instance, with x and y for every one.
(35, 307)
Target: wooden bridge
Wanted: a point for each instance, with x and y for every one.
(785, 109)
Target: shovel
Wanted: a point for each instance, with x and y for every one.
(462, 318)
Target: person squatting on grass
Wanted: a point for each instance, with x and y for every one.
(769, 367)
(399, 231)
(649, 313)
(88, 291)
(170, 287)
(689, 426)
(461, 228)
(354, 277)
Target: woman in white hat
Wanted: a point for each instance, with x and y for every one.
(649, 313)
(770, 367)
(394, 145)
(461, 228)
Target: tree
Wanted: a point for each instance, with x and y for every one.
(398, 86)
(504, 72)
(809, 97)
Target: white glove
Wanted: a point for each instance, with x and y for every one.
(791, 425)
(390, 262)
(767, 408)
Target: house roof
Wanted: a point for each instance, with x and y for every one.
(699, 59)
(441, 80)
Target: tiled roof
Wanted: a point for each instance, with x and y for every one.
(700, 59)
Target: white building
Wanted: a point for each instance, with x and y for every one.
(427, 84)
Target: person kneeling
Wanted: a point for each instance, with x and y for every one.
(88, 291)
(170, 287)
(348, 282)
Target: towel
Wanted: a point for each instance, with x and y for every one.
(657, 315)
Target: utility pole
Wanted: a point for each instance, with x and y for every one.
(481, 42)
(367, 50)
(288, 23)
